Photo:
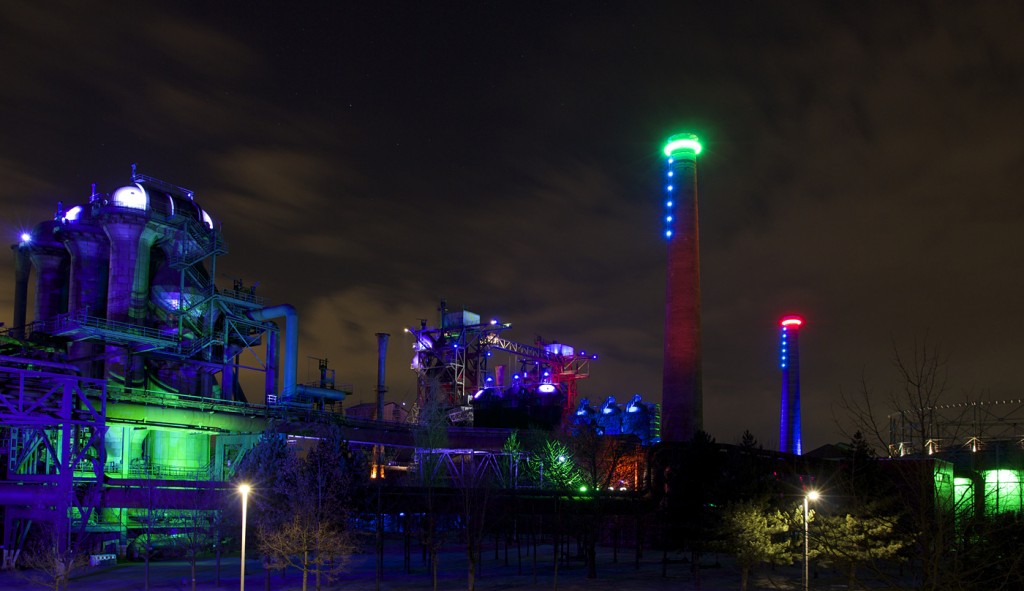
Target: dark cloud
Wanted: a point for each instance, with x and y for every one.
(861, 166)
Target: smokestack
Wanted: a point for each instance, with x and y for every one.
(789, 363)
(382, 355)
(22, 269)
(682, 399)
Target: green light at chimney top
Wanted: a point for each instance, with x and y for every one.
(682, 142)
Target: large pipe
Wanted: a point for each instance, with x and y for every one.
(38, 362)
(291, 342)
(682, 395)
(37, 496)
(50, 260)
(124, 231)
(382, 354)
(90, 255)
(272, 365)
(291, 354)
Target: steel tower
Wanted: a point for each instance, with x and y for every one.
(682, 400)
(789, 363)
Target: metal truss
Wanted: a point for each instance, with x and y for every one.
(950, 427)
(55, 424)
(467, 468)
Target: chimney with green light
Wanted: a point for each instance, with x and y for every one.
(682, 399)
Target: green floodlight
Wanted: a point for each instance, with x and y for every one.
(682, 142)
(583, 488)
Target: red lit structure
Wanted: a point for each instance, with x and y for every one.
(789, 363)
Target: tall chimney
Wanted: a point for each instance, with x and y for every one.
(682, 399)
(382, 355)
(789, 363)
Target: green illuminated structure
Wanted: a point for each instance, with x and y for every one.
(682, 390)
(1002, 491)
(682, 143)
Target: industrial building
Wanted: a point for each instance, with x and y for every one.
(124, 384)
(126, 378)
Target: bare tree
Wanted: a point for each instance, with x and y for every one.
(921, 384)
(262, 467)
(49, 561)
(949, 546)
(475, 485)
(201, 525)
(605, 462)
(430, 439)
(309, 545)
(306, 527)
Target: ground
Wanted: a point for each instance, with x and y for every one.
(718, 573)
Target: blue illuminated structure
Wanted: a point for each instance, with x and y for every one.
(789, 363)
(637, 418)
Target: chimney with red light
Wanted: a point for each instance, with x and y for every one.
(789, 363)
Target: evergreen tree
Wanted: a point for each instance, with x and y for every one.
(554, 467)
(849, 542)
(756, 536)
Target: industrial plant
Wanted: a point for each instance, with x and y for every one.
(126, 377)
(121, 376)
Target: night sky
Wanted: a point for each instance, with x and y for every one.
(862, 166)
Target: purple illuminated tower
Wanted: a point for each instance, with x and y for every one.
(789, 363)
(682, 400)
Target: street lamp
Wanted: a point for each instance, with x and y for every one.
(812, 495)
(244, 489)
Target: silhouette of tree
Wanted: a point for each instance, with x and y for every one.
(431, 438)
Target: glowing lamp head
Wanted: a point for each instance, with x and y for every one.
(791, 322)
(813, 495)
(244, 489)
(682, 145)
(26, 237)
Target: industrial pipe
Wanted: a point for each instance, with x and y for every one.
(291, 354)
(291, 342)
(51, 261)
(382, 355)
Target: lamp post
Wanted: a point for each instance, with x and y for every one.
(812, 495)
(244, 489)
